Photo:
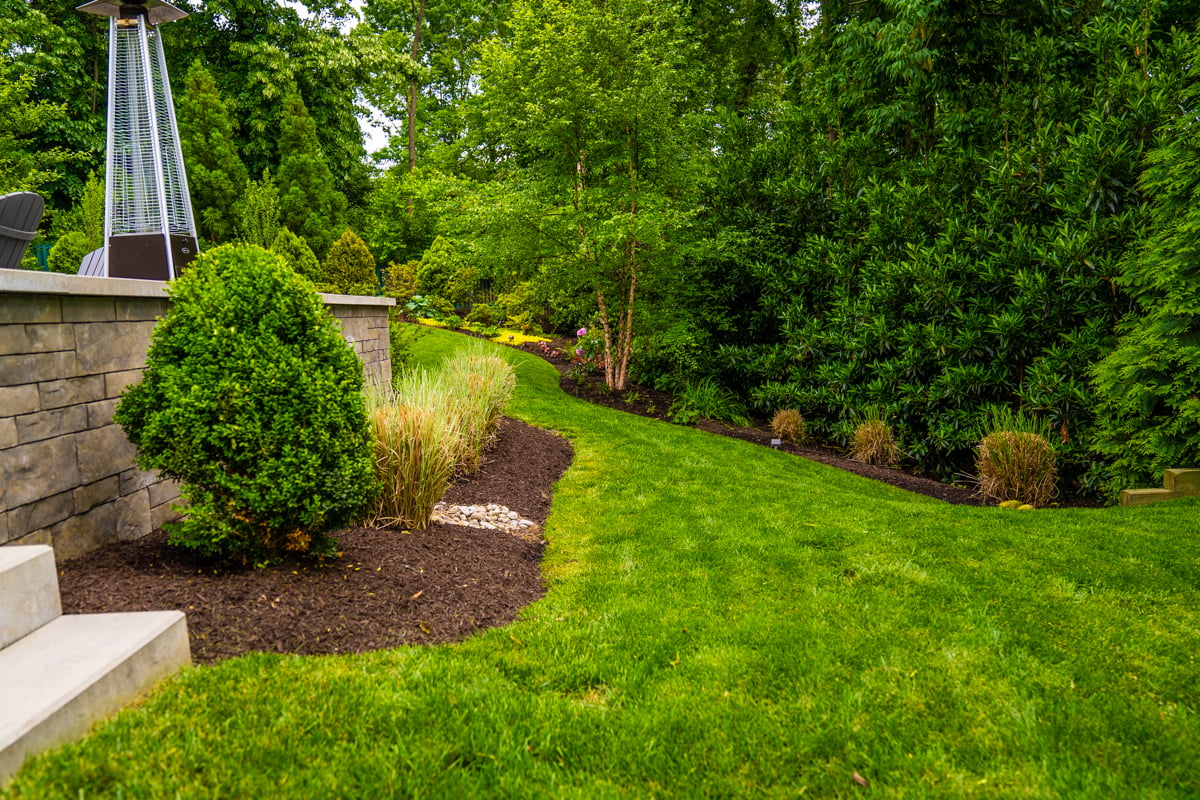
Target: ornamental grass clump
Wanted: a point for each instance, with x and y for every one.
(252, 399)
(788, 425)
(416, 452)
(480, 387)
(873, 441)
(1015, 461)
(430, 426)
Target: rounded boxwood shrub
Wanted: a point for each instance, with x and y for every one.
(68, 253)
(253, 400)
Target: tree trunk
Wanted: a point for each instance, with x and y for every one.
(414, 52)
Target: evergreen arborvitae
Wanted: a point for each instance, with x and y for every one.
(350, 268)
(216, 175)
(296, 252)
(309, 203)
(258, 212)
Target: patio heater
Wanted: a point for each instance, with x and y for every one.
(149, 230)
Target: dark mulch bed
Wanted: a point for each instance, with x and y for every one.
(388, 588)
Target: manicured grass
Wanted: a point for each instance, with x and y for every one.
(723, 619)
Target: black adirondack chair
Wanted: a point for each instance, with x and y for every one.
(20, 213)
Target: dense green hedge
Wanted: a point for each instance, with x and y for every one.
(935, 219)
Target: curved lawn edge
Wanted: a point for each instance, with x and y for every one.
(724, 619)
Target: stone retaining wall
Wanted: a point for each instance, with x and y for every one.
(68, 346)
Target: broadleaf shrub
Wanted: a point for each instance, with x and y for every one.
(253, 400)
(67, 253)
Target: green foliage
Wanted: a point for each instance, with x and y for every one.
(261, 53)
(86, 216)
(706, 399)
(51, 98)
(258, 214)
(215, 172)
(592, 99)
(419, 306)
(253, 400)
(68, 252)
(489, 314)
(439, 270)
(401, 339)
(398, 226)
(310, 203)
(25, 163)
(932, 218)
(350, 266)
(297, 254)
(1149, 411)
(400, 281)
(1015, 460)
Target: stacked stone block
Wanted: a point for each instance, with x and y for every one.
(365, 325)
(68, 346)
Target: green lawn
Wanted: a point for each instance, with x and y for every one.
(722, 619)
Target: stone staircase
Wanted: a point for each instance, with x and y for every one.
(59, 675)
(1177, 483)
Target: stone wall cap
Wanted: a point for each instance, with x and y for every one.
(28, 281)
(356, 300)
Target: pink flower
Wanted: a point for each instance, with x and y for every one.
(578, 351)
(581, 332)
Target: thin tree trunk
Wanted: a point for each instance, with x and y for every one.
(625, 323)
(414, 52)
(609, 371)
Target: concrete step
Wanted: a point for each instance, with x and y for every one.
(28, 591)
(58, 681)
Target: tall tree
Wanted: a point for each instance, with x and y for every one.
(216, 175)
(62, 53)
(310, 204)
(591, 99)
(259, 52)
(442, 37)
(25, 163)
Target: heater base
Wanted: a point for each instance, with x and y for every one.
(144, 255)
